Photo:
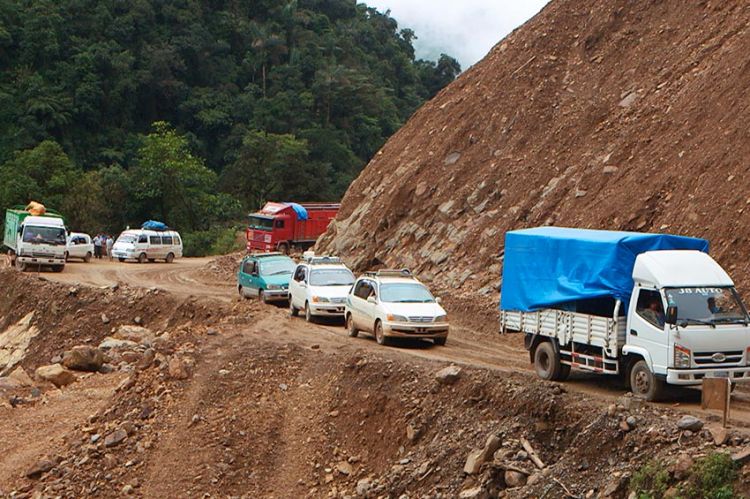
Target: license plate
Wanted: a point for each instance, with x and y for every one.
(720, 374)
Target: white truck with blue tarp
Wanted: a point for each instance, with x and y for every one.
(653, 308)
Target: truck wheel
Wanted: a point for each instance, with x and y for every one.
(547, 362)
(380, 336)
(308, 313)
(293, 312)
(350, 328)
(142, 258)
(20, 265)
(644, 384)
(87, 258)
(58, 268)
(170, 258)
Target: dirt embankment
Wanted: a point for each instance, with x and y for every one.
(236, 399)
(611, 115)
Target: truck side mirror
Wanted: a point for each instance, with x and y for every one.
(671, 315)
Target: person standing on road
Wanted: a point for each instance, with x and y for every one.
(110, 243)
(98, 247)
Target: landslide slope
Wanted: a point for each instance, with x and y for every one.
(613, 115)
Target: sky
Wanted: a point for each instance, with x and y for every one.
(464, 29)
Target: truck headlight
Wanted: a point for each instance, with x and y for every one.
(441, 318)
(320, 299)
(681, 357)
(396, 318)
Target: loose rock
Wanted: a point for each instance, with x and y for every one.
(448, 375)
(55, 374)
(690, 423)
(83, 358)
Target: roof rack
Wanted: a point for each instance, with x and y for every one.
(390, 273)
(321, 260)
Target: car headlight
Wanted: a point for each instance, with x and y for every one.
(396, 318)
(441, 318)
(320, 299)
(681, 356)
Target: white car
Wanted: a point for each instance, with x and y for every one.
(79, 246)
(319, 286)
(394, 304)
(148, 245)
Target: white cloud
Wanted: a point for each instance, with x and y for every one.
(464, 29)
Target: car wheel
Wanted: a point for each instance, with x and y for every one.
(142, 258)
(170, 258)
(293, 312)
(380, 336)
(241, 291)
(643, 383)
(351, 329)
(262, 296)
(440, 341)
(547, 362)
(308, 313)
(121, 260)
(87, 258)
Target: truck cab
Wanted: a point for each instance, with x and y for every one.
(35, 241)
(686, 320)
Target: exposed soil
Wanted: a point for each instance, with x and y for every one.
(611, 115)
(238, 399)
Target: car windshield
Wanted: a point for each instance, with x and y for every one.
(707, 305)
(126, 238)
(261, 223)
(331, 277)
(405, 293)
(277, 267)
(44, 235)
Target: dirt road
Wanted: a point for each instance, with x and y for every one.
(188, 277)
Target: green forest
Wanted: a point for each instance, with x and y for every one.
(195, 112)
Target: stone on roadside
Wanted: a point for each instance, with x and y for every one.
(83, 358)
(473, 493)
(110, 343)
(55, 374)
(514, 478)
(364, 487)
(719, 434)
(344, 468)
(40, 468)
(178, 369)
(105, 319)
(690, 423)
(681, 468)
(136, 334)
(448, 375)
(19, 374)
(477, 457)
(115, 438)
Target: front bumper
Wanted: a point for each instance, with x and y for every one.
(276, 294)
(123, 254)
(327, 309)
(413, 330)
(738, 374)
(41, 260)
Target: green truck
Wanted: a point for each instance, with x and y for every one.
(35, 241)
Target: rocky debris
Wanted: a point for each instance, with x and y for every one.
(178, 369)
(105, 319)
(345, 468)
(15, 340)
(55, 374)
(41, 467)
(364, 487)
(21, 377)
(719, 434)
(478, 457)
(115, 438)
(680, 469)
(474, 493)
(448, 375)
(83, 358)
(135, 334)
(110, 343)
(514, 478)
(690, 423)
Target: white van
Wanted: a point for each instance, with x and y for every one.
(79, 246)
(148, 245)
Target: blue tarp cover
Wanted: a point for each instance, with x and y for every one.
(299, 209)
(154, 225)
(545, 267)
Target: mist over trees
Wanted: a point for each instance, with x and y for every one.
(196, 111)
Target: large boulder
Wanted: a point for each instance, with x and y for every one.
(83, 358)
(55, 374)
(448, 375)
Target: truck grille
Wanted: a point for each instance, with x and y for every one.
(421, 319)
(37, 254)
(717, 358)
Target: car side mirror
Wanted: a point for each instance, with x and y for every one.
(671, 317)
(372, 299)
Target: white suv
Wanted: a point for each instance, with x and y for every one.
(319, 286)
(394, 304)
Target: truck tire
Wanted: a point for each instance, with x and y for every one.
(142, 258)
(547, 362)
(58, 268)
(20, 265)
(644, 384)
(380, 336)
(350, 328)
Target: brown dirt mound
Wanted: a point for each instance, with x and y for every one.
(613, 115)
(223, 268)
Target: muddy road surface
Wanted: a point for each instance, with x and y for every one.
(466, 345)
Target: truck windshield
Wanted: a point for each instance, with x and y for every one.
(707, 305)
(261, 223)
(405, 293)
(44, 235)
(331, 277)
(277, 267)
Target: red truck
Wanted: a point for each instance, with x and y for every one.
(286, 226)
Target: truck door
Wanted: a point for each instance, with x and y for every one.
(646, 327)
